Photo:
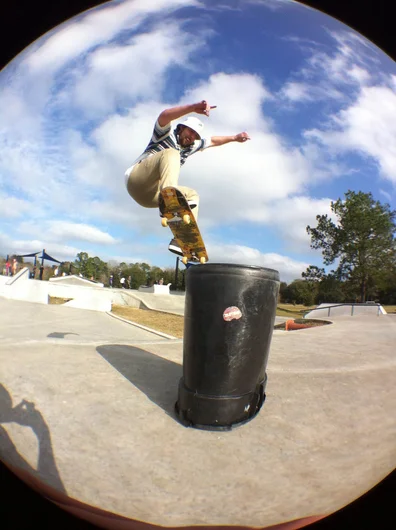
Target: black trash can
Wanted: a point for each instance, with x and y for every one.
(228, 324)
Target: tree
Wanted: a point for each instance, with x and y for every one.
(330, 290)
(386, 287)
(80, 262)
(87, 266)
(146, 269)
(282, 291)
(138, 276)
(169, 276)
(155, 274)
(363, 239)
(101, 269)
(313, 274)
(299, 292)
(313, 278)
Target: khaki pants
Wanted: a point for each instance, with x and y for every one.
(152, 174)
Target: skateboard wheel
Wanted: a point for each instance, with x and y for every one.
(202, 260)
(185, 260)
(186, 219)
(164, 221)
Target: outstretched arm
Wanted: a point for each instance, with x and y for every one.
(221, 140)
(174, 113)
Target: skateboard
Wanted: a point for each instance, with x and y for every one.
(176, 213)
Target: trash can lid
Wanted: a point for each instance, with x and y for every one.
(234, 268)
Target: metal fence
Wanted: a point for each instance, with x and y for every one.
(330, 307)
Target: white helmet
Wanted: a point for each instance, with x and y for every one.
(193, 123)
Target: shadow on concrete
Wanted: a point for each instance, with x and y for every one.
(156, 377)
(60, 334)
(26, 415)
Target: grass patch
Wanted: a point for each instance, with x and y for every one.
(290, 310)
(174, 324)
(58, 301)
(164, 322)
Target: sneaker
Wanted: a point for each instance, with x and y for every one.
(174, 247)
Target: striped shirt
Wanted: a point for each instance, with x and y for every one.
(166, 138)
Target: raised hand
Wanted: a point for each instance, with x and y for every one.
(242, 137)
(203, 107)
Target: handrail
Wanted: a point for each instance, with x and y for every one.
(18, 275)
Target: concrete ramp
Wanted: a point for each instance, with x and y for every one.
(80, 292)
(85, 294)
(168, 303)
(21, 287)
(335, 310)
(75, 280)
(92, 300)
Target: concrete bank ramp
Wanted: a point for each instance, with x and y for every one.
(85, 294)
(336, 310)
(168, 303)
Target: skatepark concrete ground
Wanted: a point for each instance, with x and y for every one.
(86, 414)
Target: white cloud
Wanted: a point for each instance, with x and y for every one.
(12, 208)
(115, 74)
(59, 251)
(353, 57)
(288, 268)
(123, 138)
(352, 44)
(241, 178)
(385, 194)
(58, 231)
(275, 5)
(17, 115)
(333, 74)
(292, 215)
(27, 92)
(124, 214)
(238, 98)
(295, 91)
(94, 28)
(236, 182)
(262, 169)
(49, 160)
(365, 120)
(367, 126)
(361, 75)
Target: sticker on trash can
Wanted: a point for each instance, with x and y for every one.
(232, 313)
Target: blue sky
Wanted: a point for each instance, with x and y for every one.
(78, 106)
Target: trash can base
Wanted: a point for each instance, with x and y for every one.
(218, 413)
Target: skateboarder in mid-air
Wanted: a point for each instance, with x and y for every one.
(159, 165)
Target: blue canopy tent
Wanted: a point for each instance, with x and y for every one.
(44, 256)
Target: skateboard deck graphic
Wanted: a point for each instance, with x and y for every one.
(177, 214)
